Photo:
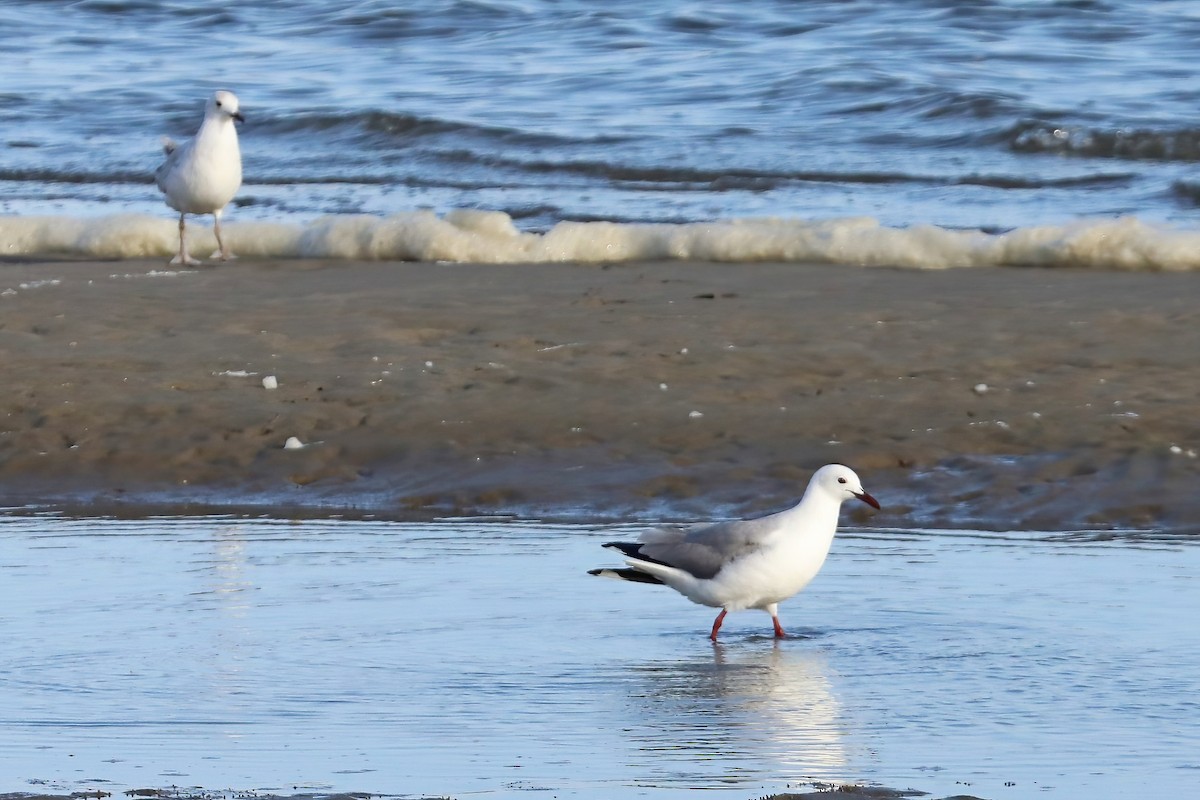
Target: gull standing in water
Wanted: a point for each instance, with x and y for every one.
(201, 176)
(755, 563)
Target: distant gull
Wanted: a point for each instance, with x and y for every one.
(744, 564)
(201, 176)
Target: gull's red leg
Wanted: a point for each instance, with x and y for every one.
(717, 625)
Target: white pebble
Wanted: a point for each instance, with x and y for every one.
(662, 386)
(270, 382)
(293, 443)
(683, 351)
(1176, 449)
(428, 363)
(980, 388)
(695, 414)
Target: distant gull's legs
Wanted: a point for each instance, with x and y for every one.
(717, 624)
(221, 252)
(183, 257)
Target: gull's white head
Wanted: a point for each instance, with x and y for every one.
(840, 483)
(223, 105)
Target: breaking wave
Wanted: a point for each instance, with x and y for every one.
(1127, 145)
(492, 237)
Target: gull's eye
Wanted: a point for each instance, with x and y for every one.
(841, 480)
(218, 104)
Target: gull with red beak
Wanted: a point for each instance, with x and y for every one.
(754, 563)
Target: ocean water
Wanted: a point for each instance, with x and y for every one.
(925, 133)
(476, 658)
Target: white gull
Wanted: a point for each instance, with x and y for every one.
(202, 175)
(755, 563)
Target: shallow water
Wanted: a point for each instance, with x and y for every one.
(477, 657)
(992, 115)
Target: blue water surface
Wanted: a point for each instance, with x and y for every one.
(478, 657)
(992, 115)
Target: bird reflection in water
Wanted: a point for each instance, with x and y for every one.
(739, 715)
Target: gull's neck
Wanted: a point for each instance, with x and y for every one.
(816, 514)
(216, 124)
(217, 132)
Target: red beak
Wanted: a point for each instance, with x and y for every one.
(866, 498)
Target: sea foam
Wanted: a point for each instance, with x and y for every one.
(472, 236)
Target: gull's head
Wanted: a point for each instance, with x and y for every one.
(841, 484)
(223, 104)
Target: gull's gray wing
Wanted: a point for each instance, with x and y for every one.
(175, 152)
(703, 550)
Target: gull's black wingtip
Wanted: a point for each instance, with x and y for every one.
(628, 548)
(625, 574)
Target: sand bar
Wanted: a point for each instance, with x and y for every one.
(1009, 398)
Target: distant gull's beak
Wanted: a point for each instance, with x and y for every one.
(238, 116)
(866, 498)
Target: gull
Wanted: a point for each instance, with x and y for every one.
(201, 176)
(754, 563)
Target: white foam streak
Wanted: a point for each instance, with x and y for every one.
(491, 237)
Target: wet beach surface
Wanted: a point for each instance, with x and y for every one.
(346, 646)
(997, 398)
(476, 657)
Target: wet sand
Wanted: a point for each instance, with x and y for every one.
(1007, 398)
